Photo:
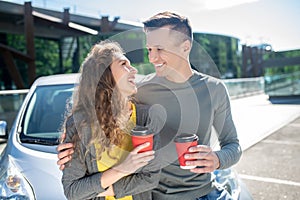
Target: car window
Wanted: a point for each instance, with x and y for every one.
(44, 115)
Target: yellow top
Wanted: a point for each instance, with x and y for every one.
(117, 153)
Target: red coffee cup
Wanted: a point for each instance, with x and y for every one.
(141, 135)
(183, 142)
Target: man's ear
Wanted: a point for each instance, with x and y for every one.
(186, 46)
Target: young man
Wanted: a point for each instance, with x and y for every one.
(193, 103)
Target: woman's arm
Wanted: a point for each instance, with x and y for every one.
(77, 183)
(146, 178)
(130, 165)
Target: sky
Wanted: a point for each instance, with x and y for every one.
(275, 22)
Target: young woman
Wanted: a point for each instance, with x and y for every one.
(104, 164)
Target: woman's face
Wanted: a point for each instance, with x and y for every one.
(124, 75)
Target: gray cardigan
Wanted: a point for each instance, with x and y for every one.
(81, 178)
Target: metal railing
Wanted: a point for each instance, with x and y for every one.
(242, 87)
(278, 85)
(283, 84)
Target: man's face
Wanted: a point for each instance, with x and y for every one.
(165, 52)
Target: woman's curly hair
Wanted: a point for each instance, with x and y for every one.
(98, 99)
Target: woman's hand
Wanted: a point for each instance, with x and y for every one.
(132, 163)
(135, 160)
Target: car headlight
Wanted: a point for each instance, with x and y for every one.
(13, 185)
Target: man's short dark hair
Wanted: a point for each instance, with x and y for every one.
(176, 22)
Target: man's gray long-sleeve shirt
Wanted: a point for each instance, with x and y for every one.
(200, 105)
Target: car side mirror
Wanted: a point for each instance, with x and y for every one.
(3, 129)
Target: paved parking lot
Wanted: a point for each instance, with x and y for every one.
(270, 168)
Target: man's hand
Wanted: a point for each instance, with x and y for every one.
(65, 152)
(205, 158)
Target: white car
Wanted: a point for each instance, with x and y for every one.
(28, 168)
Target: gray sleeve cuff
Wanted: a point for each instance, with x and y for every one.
(96, 183)
(86, 187)
(229, 155)
(221, 160)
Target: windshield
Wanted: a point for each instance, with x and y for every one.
(44, 114)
